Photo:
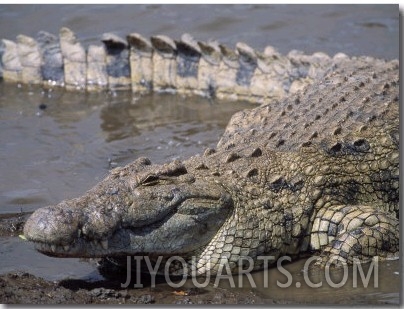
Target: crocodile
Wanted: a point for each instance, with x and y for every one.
(315, 172)
(160, 64)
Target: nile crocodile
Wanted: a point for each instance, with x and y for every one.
(160, 64)
(315, 172)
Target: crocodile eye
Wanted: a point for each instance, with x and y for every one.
(150, 180)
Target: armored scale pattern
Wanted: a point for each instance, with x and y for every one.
(160, 64)
(316, 172)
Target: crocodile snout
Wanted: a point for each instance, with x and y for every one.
(52, 224)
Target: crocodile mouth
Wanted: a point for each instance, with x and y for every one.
(187, 227)
(67, 250)
(97, 247)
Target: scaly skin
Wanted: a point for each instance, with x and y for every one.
(317, 172)
(160, 64)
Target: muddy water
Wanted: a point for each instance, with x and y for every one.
(377, 283)
(58, 152)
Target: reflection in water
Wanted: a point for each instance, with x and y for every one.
(131, 117)
(71, 143)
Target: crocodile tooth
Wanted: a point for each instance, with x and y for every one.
(66, 247)
(104, 244)
(53, 248)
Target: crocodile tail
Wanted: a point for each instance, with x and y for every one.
(160, 64)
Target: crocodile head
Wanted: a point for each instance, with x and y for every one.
(140, 209)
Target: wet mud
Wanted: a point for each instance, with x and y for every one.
(24, 288)
(109, 285)
(21, 287)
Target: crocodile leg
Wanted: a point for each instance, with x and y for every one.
(344, 233)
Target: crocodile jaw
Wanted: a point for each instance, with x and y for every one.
(155, 220)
